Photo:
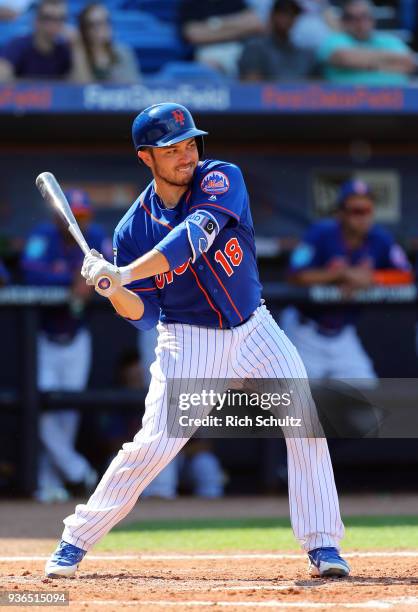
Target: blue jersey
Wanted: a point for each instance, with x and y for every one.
(323, 246)
(49, 260)
(218, 287)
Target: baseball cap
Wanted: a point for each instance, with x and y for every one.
(79, 202)
(353, 187)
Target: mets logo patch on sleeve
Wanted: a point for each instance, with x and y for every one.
(215, 183)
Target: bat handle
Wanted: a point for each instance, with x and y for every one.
(79, 238)
(104, 282)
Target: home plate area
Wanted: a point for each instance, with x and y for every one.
(216, 580)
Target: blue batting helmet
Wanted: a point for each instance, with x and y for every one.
(162, 125)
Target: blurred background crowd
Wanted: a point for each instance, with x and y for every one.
(350, 233)
(122, 41)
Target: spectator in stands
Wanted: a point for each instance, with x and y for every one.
(96, 56)
(11, 9)
(350, 252)
(43, 54)
(359, 55)
(274, 57)
(317, 21)
(51, 257)
(216, 28)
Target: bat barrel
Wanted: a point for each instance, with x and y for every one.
(53, 194)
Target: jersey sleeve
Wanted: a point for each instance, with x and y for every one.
(194, 236)
(394, 44)
(124, 251)
(394, 257)
(221, 189)
(307, 253)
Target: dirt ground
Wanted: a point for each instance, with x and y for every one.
(210, 580)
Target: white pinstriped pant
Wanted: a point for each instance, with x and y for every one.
(256, 349)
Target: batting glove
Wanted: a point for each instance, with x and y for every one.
(105, 277)
(89, 261)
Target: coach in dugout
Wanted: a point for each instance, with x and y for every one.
(52, 258)
(351, 252)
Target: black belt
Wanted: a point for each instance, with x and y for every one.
(242, 322)
(248, 318)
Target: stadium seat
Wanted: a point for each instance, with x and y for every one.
(166, 10)
(189, 71)
(131, 19)
(155, 42)
(76, 6)
(19, 27)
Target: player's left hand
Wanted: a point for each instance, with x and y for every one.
(105, 277)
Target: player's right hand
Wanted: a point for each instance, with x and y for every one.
(106, 277)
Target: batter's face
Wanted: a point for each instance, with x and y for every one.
(174, 165)
(357, 214)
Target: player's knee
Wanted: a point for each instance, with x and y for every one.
(152, 449)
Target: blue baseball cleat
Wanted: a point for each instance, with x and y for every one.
(327, 563)
(63, 563)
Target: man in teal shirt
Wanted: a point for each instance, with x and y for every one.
(359, 55)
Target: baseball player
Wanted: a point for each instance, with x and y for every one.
(352, 252)
(51, 257)
(185, 256)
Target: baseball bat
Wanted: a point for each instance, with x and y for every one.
(53, 194)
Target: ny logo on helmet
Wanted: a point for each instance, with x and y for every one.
(178, 116)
